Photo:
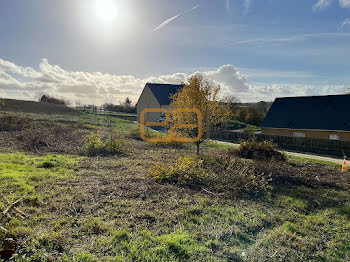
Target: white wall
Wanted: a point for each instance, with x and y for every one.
(148, 100)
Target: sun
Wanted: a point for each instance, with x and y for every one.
(106, 10)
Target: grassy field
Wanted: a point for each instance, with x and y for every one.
(80, 208)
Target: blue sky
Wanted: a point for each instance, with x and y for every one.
(270, 48)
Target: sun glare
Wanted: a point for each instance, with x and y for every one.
(106, 10)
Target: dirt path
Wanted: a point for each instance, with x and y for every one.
(304, 155)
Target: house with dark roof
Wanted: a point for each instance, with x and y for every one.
(155, 96)
(323, 117)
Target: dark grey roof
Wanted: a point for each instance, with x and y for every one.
(162, 92)
(313, 112)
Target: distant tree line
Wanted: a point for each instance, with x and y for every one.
(126, 107)
(252, 114)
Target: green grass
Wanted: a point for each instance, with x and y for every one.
(305, 160)
(252, 129)
(21, 173)
(216, 145)
(235, 125)
(121, 114)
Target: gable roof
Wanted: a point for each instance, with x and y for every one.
(162, 92)
(313, 112)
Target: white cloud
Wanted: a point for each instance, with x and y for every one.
(291, 38)
(321, 4)
(229, 78)
(344, 3)
(27, 83)
(275, 74)
(95, 87)
(345, 22)
(268, 92)
(168, 21)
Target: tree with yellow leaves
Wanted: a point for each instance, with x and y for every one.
(200, 94)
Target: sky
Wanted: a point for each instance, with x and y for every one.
(98, 51)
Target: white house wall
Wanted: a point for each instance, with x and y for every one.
(148, 100)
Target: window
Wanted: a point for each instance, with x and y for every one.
(298, 134)
(334, 137)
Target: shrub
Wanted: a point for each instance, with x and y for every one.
(186, 169)
(265, 150)
(14, 123)
(97, 146)
(52, 100)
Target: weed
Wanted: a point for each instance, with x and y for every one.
(113, 145)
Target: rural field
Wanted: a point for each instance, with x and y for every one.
(84, 187)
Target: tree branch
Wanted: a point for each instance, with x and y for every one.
(3, 229)
(4, 213)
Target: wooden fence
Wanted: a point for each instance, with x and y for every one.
(310, 145)
(92, 109)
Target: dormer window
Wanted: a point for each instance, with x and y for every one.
(334, 137)
(299, 134)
